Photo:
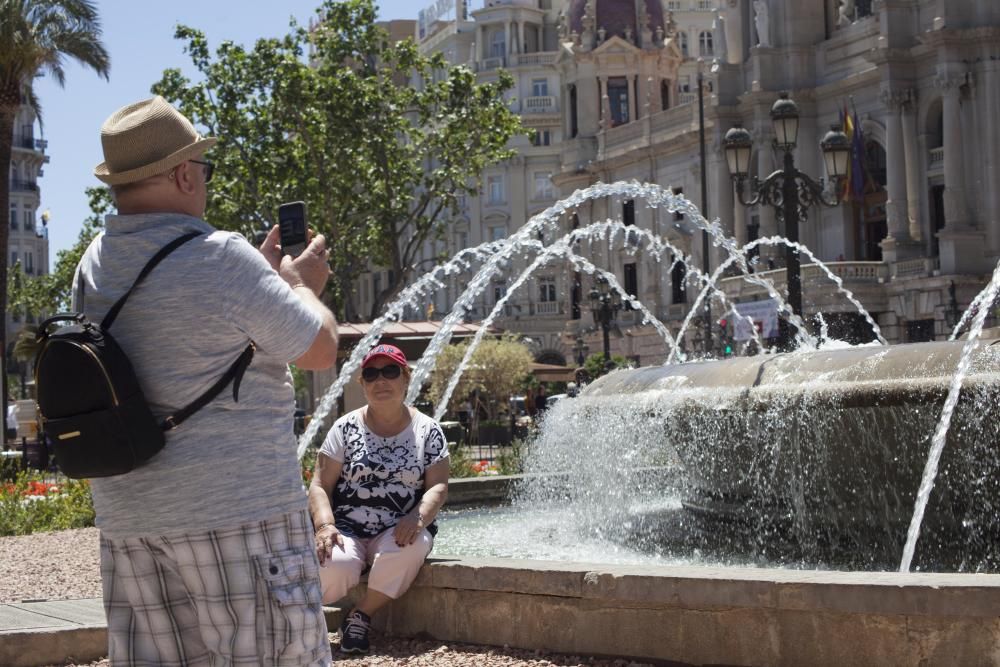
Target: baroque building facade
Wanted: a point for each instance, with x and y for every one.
(609, 86)
(28, 243)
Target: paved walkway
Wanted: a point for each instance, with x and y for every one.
(52, 632)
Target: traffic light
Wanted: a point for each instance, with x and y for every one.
(724, 338)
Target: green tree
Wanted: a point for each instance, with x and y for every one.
(596, 366)
(497, 370)
(379, 140)
(36, 36)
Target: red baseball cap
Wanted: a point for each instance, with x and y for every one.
(390, 352)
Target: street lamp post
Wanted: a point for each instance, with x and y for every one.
(604, 305)
(788, 190)
(581, 348)
(705, 244)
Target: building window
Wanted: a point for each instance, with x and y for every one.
(13, 257)
(705, 44)
(29, 221)
(618, 99)
(684, 44)
(664, 95)
(678, 275)
(498, 47)
(630, 282)
(499, 291)
(498, 232)
(543, 185)
(539, 87)
(546, 290)
(674, 5)
(461, 240)
(678, 216)
(495, 189)
(13, 218)
(574, 124)
(628, 212)
(29, 262)
(706, 4)
(541, 138)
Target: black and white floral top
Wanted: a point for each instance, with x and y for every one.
(382, 478)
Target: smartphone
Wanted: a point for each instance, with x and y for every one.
(292, 226)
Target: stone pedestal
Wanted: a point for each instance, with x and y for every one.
(963, 251)
(898, 251)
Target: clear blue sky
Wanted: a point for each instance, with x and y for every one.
(139, 36)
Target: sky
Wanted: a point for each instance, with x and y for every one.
(139, 37)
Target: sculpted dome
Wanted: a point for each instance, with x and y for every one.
(616, 15)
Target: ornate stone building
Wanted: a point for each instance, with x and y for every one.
(609, 85)
(28, 242)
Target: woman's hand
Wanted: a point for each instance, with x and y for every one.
(408, 528)
(326, 537)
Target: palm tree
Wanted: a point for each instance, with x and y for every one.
(36, 36)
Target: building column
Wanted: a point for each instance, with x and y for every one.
(898, 245)
(961, 245)
(480, 43)
(520, 37)
(508, 39)
(956, 213)
(913, 164)
(632, 103)
(602, 88)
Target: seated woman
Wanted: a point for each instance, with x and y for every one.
(381, 477)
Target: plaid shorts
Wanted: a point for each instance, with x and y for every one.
(241, 596)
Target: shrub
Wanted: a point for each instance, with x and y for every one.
(34, 504)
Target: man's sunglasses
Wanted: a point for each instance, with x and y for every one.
(209, 169)
(390, 372)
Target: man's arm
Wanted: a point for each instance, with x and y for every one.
(307, 275)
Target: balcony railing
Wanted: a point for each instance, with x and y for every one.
(17, 185)
(547, 308)
(540, 58)
(935, 158)
(687, 98)
(813, 277)
(539, 104)
(491, 64)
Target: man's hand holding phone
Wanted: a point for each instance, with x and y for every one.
(310, 269)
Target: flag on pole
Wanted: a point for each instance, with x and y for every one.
(848, 124)
(857, 169)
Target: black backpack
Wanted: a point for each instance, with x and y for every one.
(92, 409)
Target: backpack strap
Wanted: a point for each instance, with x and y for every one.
(235, 374)
(150, 265)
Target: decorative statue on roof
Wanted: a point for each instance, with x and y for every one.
(719, 38)
(761, 23)
(587, 22)
(645, 30)
(562, 26)
(671, 24)
(845, 13)
(628, 34)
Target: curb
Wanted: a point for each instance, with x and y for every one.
(89, 643)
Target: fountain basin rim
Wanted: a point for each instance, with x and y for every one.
(961, 594)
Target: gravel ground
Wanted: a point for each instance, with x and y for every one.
(66, 565)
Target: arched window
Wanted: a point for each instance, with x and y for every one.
(705, 44)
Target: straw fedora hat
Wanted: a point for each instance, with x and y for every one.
(145, 139)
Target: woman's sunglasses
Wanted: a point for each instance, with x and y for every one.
(390, 372)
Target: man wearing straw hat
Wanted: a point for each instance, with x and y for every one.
(206, 550)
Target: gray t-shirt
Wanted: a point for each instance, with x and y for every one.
(230, 463)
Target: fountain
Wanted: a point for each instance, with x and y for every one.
(831, 458)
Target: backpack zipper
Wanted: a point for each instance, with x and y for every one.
(93, 355)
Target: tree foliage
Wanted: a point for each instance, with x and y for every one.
(497, 370)
(379, 140)
(596, 365)
(36, 37)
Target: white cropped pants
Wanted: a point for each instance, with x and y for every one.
(393, 568)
